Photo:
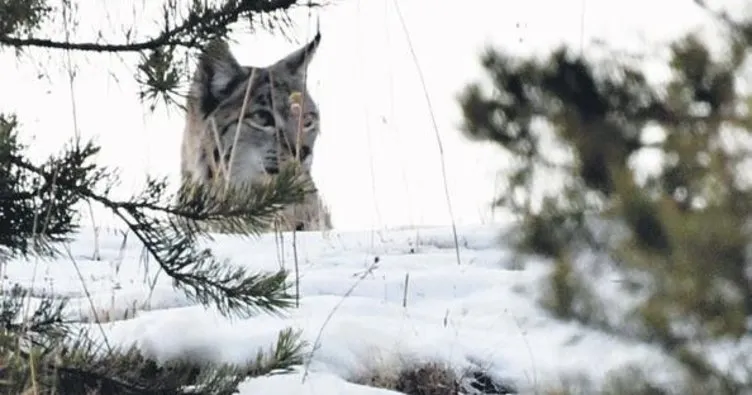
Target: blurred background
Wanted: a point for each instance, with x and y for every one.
(377, 162)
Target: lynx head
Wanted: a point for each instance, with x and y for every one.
(278, 120)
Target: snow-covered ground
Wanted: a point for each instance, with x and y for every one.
(480, 314)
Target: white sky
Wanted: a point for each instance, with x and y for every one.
(376, 162)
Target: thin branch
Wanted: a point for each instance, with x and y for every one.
(228, 14)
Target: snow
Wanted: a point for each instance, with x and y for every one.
(481, 313)
(354, 312)
(318, 383)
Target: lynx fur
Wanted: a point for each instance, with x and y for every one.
(280, 122)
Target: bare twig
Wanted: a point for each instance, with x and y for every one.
(435, 129)
(88, 297)
(297, 268)
(317, 342)
(404, 291)
(243, 107)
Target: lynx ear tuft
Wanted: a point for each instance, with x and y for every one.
(297, 61)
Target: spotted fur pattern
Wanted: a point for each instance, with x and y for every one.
(240, 125)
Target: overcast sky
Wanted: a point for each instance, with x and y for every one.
(376, 162)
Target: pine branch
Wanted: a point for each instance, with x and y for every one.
(77, 365)
(288, 352)
(171, 237)
(35, 212)
(242, 209)
(207, 280)
(198, 27)
(80, 366)
(46, 318)
(245, 209)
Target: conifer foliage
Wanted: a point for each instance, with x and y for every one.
(675, 238)
(40, 205)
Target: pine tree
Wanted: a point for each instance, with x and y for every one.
(678, 238)
(40, 202)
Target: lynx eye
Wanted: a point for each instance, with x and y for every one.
(309, 120)
(262, 118)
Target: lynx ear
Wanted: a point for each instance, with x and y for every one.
(296, 62)
(217, 74)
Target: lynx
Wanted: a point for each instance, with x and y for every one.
(277, 117)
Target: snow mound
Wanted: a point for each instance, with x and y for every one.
(369, 300)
